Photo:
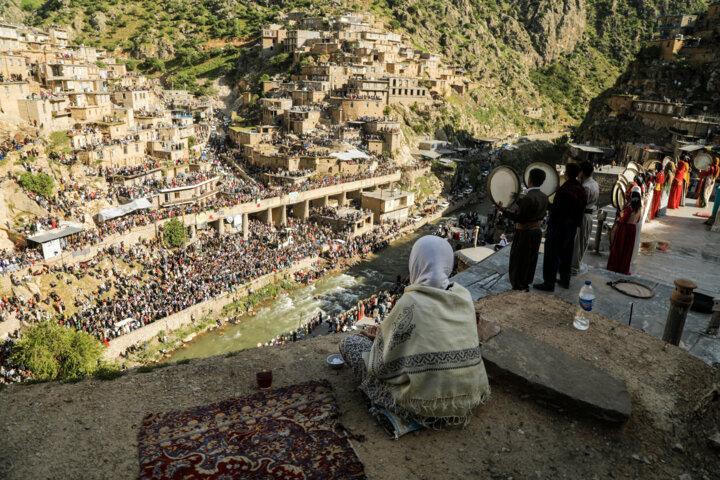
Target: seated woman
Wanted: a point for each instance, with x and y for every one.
(423, 362)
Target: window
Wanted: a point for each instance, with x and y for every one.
(21, 89)
(10, 62)
(7, 91)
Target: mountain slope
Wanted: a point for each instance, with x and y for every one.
(553, 55)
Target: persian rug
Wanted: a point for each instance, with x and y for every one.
(288, 433)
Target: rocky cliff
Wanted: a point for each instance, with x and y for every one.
(689, 79)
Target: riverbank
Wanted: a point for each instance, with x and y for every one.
(238, 335)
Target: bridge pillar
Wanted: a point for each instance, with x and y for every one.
(342, 199)
(268, 217)
(283, 216)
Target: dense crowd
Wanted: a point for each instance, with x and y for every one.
(171, 281)
(348, 215)
(216, 264)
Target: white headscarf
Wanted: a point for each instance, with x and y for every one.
(431, 262)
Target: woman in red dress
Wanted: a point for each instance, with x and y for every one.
(707, 182)
(621, 252)
(677, 184)
(657, 194)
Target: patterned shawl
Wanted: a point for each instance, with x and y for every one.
(427, 354)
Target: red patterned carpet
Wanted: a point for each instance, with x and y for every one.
(288, 433)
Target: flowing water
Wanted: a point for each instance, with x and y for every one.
(331, 294)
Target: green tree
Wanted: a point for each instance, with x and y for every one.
(153, 64)
(174, 233)
(42, 183)
(191, 141)
(279, 59)
(387, 111)
(54, 352)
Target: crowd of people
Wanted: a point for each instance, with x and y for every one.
(10, 372)
(373, 309)
(173, 281)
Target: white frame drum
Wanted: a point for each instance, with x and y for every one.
(508, 195)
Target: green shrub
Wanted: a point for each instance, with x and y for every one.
(108, 372)
(53, 352)
(40, 183)
(191, 141)
(174, 233)
(30, 5)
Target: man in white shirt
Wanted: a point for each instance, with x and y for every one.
(592, 190)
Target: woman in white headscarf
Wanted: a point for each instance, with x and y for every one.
(423, 363)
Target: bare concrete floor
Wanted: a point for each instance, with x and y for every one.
(693, 252)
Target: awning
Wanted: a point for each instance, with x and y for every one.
(353, 154)
(119, 211)
(51, 235)
(691, 148)
(586, 148)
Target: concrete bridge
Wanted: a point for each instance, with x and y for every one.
(275, 209)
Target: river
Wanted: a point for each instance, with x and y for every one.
(331, 294)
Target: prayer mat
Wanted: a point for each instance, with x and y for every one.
(289, 433)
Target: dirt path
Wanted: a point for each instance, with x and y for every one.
(90, 429)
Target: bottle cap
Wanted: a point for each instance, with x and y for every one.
(587, 282)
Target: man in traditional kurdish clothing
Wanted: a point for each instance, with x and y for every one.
(582, 237)
(566, 214)
(528, 215)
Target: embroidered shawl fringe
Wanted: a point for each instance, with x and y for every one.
(428, 408)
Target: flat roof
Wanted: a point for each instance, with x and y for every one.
(51, 235)
(586, 148)
(691, 148)
(427, 153)
(387, 194)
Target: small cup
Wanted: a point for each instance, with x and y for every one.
(264, 380)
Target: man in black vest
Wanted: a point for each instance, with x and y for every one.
(528, 215)
(566, 214)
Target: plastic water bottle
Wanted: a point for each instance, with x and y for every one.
(587, 299)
